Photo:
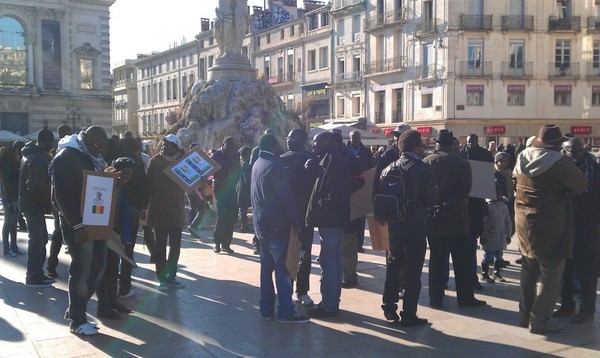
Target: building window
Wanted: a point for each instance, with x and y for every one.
(184, 85)
(160, 92)
(475, 54)
(517, 55)
(596, 59)
(168, 64)
(427, 100)
(474, 95)
(155, 93)
(313, 22)
(281, 34)
(324, 19)
(341, 107)
(183, 61)
(86, 73)
(356, 106)
(143, 91)
(399, 105)
(168, 90)
(323, 57)
(292, 30)
(596, 96)
(380, 115)
(562, 95)
(268, 38)
(210, 61)
(312, 60)
(175, 88)
(267, 66)
(562, 57)
(516, 95)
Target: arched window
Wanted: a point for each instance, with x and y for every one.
(13, 52)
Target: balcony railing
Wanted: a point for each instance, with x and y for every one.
(593, 69)
(16, 88)
(476, 68)
(476, 22)
(594, 24)
(517, 69)
(124, 82)
(380, 117)
(564, 69)
(397, 116)
(388, 18)
(425, 27)
(348, 77)
(427, 72)
(390, 64)
(572, 23)
(517, 23)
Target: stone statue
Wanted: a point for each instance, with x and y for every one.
(230, 26)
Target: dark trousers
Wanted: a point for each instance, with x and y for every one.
(304, 268)
(9, 228)
(407, 251)
(126, 268)
(107, 288)
(150, 241)
(166, 267)
(473, 259)
(55, 246)
(36, 251)
(459, 249)
(360, 232)
(585, 266)
(226, 218)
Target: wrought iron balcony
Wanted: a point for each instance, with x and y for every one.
(564, 70)
(348, 77)
(572, 23)
(388, 18)
(16, 88)
(593, 24)
(426, 27)
(476, 22)
(397, 116)
(593, 70)
(517, 69)
(390, 64)
(380, 117)
(517, 23)
(476, 69)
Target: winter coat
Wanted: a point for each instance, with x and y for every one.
(587, 205)
(10, 181)
(225, 180)
(387, 158)
(243, 186)
(167, 199)
(452, 176)
(546, 181)
(364, 156)
(34, 181)
(301, 183)
(497, 226)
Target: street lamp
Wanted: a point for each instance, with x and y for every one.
(73, 115)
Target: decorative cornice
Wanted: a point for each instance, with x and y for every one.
(87, 49)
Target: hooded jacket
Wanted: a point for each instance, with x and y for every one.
(34, 181)
(546, 181)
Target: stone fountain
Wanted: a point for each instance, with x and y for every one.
(232, 102)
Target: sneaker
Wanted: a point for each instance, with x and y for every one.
(10, 254)
(176, 284)
(297, 318)
(305, 300)
(499, 277)
(321, 313)
(132, 292)
(85, 329)
(40, 283)
(162, 286)
(228, 250)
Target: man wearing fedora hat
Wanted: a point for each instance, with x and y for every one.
(544, 221)
(448, 223)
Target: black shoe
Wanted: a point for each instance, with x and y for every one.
(48, 278)
(349, 283)
(499, 277)
(119, 307)
(321, 313)
(477, 286)
(504, 263)
(103, 312)
(582, 318)
(228, 250)
(217, 249)
(564, 311)
(472, 303)
(256, 251)
(411, 321)
(485, 277)
(52, 274)
(519, 261)
(389, 312)
(361, 250)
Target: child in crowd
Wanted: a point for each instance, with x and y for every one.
(496, 235)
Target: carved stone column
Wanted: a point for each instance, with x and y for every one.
(30, 41)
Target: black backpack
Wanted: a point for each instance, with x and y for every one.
(393, 199)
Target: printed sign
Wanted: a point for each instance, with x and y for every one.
(191, 168)
(98, 203)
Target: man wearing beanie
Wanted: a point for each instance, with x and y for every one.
(407, 238)
(34, 201)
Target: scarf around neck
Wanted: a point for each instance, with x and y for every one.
(99, 163)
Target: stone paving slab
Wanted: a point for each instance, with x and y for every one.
(216, 315)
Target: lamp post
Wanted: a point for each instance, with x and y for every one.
(73, 115)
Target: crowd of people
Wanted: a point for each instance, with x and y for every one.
(546, 194)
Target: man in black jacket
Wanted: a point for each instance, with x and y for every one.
(329, 210)
(407, 240)
(365, 158)
(88, 257)
(301, 185)
(34, 201)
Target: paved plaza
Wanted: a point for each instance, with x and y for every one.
(216, 315)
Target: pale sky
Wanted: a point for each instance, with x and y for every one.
(143, 26)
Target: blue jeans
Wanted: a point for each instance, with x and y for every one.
(489, 257)
(9, 228)
(88, 261)
(331, 262)
(36, 251)
(273, 254)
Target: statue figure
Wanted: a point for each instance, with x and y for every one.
(230, 26)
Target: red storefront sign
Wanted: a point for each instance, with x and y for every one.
(375, 131)
(475, 88)
(425, 130)
(516, 88)
(581, 130)
(389, 132)
(494, 130)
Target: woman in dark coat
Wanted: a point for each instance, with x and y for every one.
(166, 212)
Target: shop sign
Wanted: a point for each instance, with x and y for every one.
(425, 130)
(317, 92)
(562, 88)
(516, 88)
(376, 131)
(389, 132)
(581, 130)
(494, 130)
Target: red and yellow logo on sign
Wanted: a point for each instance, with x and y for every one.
(97, 209)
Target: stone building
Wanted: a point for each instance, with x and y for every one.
(125, 96)
(54, 64)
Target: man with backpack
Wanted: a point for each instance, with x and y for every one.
(408, 182)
